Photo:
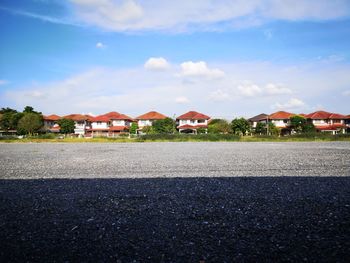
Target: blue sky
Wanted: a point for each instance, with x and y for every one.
(223, 58)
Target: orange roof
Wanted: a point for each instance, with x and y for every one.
(77, 117)
(101, 118)
(152, 115)
(52, 117)
(280, 115)
(193, 115)
(323, 115)
(113, 115)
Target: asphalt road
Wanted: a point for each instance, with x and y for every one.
(175, 202)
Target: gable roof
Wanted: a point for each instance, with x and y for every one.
(259, 117)
(77, 117)
(113, 115)
(323, 115)
(280, 115)
(52, 117)
(193, 115)
(152, 115)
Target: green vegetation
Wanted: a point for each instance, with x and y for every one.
(219, 126)
(165, 126)
(66, 125)
(30, 123)
(133, 128)
(240, 126)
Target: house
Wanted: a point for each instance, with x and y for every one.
(109, 125)
(81, 122)
(191, 121)
(328, 122)
(50, 123)
(281, 119)
(148, 118)
(258, 118)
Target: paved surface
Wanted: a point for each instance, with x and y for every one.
(175, 202)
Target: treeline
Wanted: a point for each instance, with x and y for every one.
(28, 121)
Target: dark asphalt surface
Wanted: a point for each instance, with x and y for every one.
(225, 218)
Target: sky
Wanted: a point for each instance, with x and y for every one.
(224, 58)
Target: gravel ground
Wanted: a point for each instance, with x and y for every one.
(175, 202)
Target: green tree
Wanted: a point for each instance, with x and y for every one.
(273, 130)
(260, 128)
(164, 126)
(133, 128)
(30, 123)
(308, 128)
(148, 130)
(219, 126)
(30, 109)
(66, 125)
(240, 126)
(297, 123)
(9, 119)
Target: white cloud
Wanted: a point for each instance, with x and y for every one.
(100, 45)
(219, 95)
(3, 82)
(183, 15)
(275, 89)
(109, 14)
(249, 90)
(156, 64)
(291, 104)
(101, 90)
(200, 69)
(182, 100)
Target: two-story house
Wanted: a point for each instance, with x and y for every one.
(109, 125)
(191, 121)
(81, 122)
(50, 123)
(258, 118)
(148, 118)
(328, 122)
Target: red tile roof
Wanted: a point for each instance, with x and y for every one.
(113, 115)
(77, 117)
(324, 115)
(193, 115)
(280, 115)
(52, 117)
(152, 115)
(100, 118)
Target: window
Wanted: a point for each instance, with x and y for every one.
(99, 122)
(201, 121)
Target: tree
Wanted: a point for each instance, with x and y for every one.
(240, 126)
(66, 125)
(308, 128)
(133, 128)
(219, 126)
(166, 125)
(260, 128)
(297, 123)
(29, 109)
(9, 119)
(30, 123)
(273, 130)
(148, 130)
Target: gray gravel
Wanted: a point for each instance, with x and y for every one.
(175, 202)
